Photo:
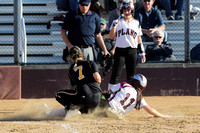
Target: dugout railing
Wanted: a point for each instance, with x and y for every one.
(45, 45)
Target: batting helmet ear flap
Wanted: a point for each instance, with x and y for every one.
(135, 83)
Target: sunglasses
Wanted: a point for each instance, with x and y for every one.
(147, 0)
(157, 37)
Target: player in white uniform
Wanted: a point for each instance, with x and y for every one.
(126, 96)
(127, 32)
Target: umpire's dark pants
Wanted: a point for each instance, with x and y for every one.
(127, 56)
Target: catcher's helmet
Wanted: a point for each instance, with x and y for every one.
(139, 81)
(127, 4)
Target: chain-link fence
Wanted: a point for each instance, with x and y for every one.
(44, 42)
(178, 31)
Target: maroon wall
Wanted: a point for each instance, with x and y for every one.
(10, 82)
(163, 80)
(43, 83)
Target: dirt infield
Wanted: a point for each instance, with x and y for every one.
(28, 116)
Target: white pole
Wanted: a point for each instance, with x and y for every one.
(24, 42)
(23, 36)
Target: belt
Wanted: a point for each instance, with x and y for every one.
(84, 46)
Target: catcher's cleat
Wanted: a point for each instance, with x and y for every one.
(112, 113)
(71, 113)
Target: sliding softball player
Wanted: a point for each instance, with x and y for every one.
(127, 96)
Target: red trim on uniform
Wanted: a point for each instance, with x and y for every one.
(90, 12)
(124, 84)
(121, 85)
(128, 86)
(111, 98)
(140, 76)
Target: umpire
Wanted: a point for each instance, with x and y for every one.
(83, 27)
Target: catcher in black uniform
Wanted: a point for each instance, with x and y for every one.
(85, 80)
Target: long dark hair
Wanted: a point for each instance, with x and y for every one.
(135, 83)
(75, 53)
(139, 98)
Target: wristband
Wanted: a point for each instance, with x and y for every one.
(141, 48)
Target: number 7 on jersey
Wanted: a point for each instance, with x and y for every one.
(80, 69)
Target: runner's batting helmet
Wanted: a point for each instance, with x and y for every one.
(139, 81)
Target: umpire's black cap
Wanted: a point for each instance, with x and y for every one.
(85, 2)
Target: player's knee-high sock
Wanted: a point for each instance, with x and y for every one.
(110, 86)
(58, 113)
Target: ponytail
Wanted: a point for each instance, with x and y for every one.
(75, 53)
(139, 98)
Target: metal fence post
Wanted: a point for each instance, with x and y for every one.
(187, 29)
(17, 23)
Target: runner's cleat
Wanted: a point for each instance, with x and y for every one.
(112, 113)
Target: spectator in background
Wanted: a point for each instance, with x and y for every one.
(195, 53)
(159, 51)
(194, 11)
(83, 28)
(67, 5)
(105, 34)
(138, 4)
(103, 26)
(150, 20)
(168, 6)
(98, 7)
(114, 14)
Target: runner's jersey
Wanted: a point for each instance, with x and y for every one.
(124, 98)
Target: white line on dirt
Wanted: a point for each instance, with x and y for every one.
(63, 125)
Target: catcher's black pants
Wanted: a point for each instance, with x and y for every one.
(127, 56)
(83, 97)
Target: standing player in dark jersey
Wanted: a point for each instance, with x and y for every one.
(85, 78)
